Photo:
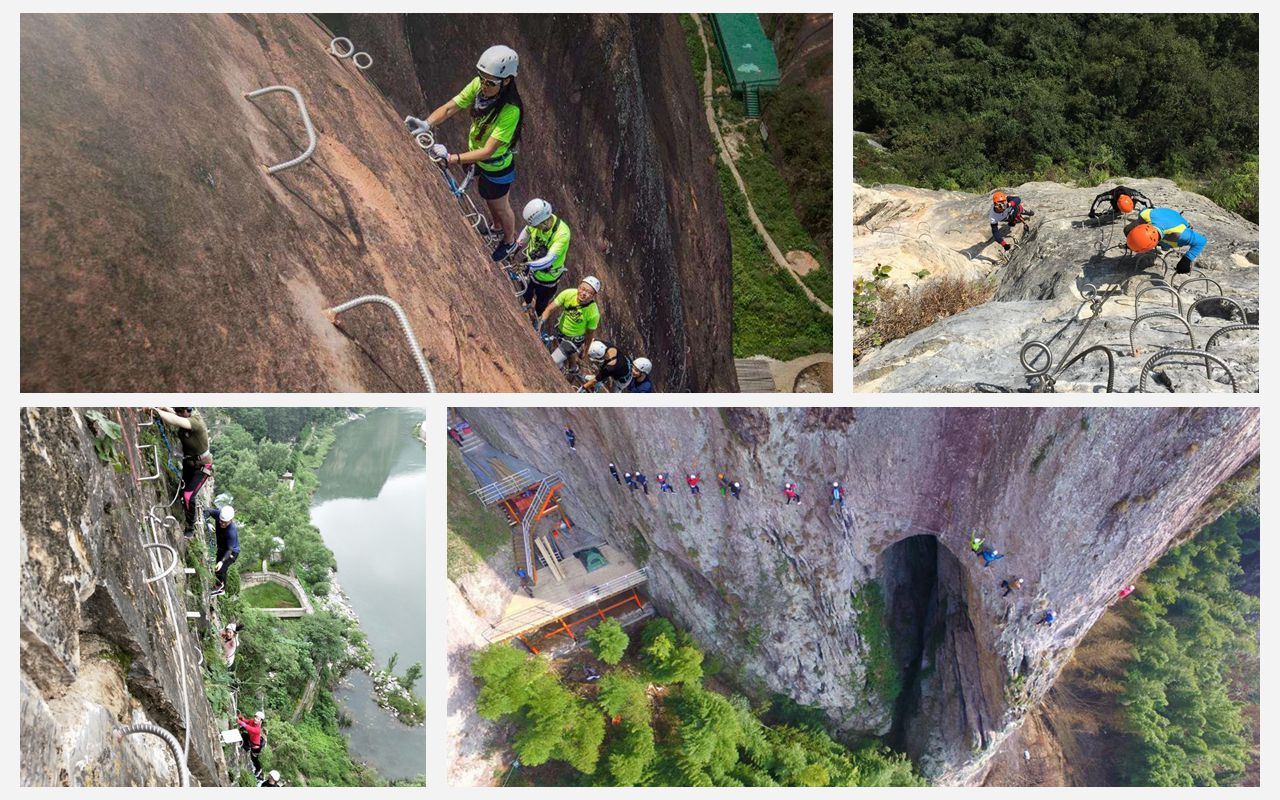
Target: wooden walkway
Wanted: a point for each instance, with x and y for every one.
(754, 375)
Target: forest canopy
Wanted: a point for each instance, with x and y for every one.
(972, 102)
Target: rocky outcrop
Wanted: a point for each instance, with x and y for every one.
(99, 646)
(177, 242)
(1041, 286)
(1079, 501)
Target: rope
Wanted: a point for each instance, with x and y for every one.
(168, 447)
(404, 326)
(169, 739)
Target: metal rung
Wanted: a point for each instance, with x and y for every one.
(189, 570)
(193, 615)
(155, 455)
(306, 120)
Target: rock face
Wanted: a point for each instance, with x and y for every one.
(149, 229)
(1079, 501)
(98, 645)
(1041, 285)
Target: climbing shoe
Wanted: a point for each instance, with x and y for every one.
(503, 250)
(189, 532)
(217, 590)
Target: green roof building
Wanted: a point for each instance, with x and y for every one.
(748, 57)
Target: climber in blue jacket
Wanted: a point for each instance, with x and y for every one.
(1166, 229)
(989, 555)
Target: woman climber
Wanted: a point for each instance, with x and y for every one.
(496, 112)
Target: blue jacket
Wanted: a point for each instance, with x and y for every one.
(641, 387)
(1175, 231)
(231, 532)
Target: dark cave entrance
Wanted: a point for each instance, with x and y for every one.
(927, 622)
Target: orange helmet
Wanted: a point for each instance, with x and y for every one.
(1125, 203)
(998, 198)
(1143, 238)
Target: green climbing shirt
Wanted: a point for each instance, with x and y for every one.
(195, 442)
(503, 129)
(550, 244)
(575, 319)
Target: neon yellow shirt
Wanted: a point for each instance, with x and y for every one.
(503, 129)
(556, 242)
(576, 319)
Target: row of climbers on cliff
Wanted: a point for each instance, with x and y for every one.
(1154, 226)
(638, 481)
(496, 111)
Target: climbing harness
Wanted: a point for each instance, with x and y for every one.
(402, 318)
(306, 120)
(349, 51)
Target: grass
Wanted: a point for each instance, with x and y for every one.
(883, 676)
(474, 532)
(900, 313)
(269, 595)
(771, 315)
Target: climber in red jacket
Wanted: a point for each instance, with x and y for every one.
(692, 479)
(790, 491)
(1126, 591)
(252, 738)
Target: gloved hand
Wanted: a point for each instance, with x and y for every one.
(217, 567)
(1184, 266)
(1004, 244)
(417, 126)
(439, 152)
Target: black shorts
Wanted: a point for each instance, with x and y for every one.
(491, 189)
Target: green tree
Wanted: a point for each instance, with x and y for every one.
(669, 656)
(608, 641)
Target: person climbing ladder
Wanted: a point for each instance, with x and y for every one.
(197, 461)
(493, 138)
(228, 538)
(579, 318)
(252, 738)
(545, 240)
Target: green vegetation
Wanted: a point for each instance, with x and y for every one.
(1194, 636)
(269, 595)
(277, 659)
(608, 641)
(664, 727)
(975, 102)
(883, 676)
(771, 316)
(474, 533)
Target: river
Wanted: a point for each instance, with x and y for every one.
(371, 510)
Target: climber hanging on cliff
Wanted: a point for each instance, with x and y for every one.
(228, 537)
(1126, 591)
(789, 491)
(1010, 586)
(545, 239)
(692, 479)
(613, 470)
(197, 461)
(735, 489)
(1048, 618)
(570, 439)
(630, 479)
(230, 642)
(1122, 199)
(723, 482)
(579, 318)
(1167, 229)
(989, 555)
(664, 484)
(252, 738)
(493, 138)
(272, 779)
(975, 543)
(837, 494)
(612, 366)
(640, 382)
(1005, 208)
(643, 481)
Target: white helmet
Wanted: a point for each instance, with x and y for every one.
(643, 365)
(593, 282)
(275, 775)
(788, 486)
(597, 350)
(836, 484)
(536, 211)
(499, 61)
(231, 626)
(226, 514)
(261, 714)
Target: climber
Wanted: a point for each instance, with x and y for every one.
(570, 438)
(197, 461)
(975, 543)
(692, 479)
(1123, 200)
(643, 481)
(272, 779)
(228, 538)
(613, 470)
(611, 365)
(1167, 229)
(1010, 586)
(230, 641)
(579, 318)
(631, 481)
(253, 737)
(640, 383)
(545, 240)
(790, 491)
(1005, 208)
(724, 484)
(1048, 618)
(664, 485)
(496, 121)
(837, 494)
(989, 556)
(1126, 591)
(735, 489)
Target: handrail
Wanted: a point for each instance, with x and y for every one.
(535, 615)
(155, 455)
(1173, 351)
(168, 569)
(402, 318)
(491, 493)
(306, 120)
(1133, 348)
(1225, 330)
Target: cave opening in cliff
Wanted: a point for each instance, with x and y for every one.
(926, 619)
